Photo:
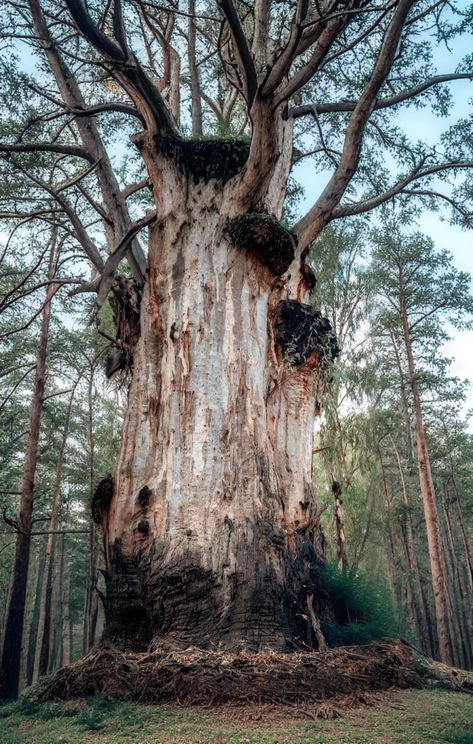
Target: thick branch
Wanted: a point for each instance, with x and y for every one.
(302, 76)
(318, 216)
(242, 49)
(283, 63)
(127, 69)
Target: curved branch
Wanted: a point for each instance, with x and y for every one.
(349, 210)
(321, 212)
(127, 70)
(104, 281)
(74, 150)
(283, 63)
(346, 106)
(242, 49)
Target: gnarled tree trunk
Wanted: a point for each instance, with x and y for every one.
(212, 530)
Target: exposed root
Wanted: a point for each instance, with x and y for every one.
(197, 677)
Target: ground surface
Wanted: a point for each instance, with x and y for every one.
(390, 717)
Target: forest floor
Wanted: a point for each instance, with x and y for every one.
(390, 717)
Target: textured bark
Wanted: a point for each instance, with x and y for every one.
(339, 527)
(13, 636)
(212, 533)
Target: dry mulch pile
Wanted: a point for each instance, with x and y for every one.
(197, 677)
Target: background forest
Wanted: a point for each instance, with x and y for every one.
(365, 461)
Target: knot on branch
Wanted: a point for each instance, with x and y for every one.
(262, 235)
(304, 335)
(125, 301)
(205, 159)
(101, 499)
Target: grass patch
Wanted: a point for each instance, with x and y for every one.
(420, 716)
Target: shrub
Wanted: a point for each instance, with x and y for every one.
(363, 610)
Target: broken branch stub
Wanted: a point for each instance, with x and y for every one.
(305, 336)
(262, 235)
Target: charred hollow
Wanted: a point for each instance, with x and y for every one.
(125, 301)
(305, 336)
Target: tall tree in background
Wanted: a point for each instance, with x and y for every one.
(210, 521)
(13, 634)
(420, 291)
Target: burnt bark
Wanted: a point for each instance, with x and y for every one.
(212, 530)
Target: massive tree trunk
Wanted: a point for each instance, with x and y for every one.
(212, 530)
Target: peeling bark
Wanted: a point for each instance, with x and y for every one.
(212, 531)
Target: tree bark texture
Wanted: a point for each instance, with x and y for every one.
(212, 531)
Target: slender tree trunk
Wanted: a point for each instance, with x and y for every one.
(91, 597)
(212, 532)
(424, 627)
(464, 533)
(13, 637)
(464, 629)
(196, 103)
(391, 549)
(442, 601)
(44, 628)
(340, 529)
(55, 642)
(33, 636)
(67, 622)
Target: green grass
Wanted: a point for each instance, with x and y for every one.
(414, 716)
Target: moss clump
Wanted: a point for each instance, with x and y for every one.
(264, 237)
(205, 159)
(304, 335)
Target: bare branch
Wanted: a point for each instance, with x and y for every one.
(283, 63)
(74, 150)
(346, 210)
(127, 70)
(346, 106)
